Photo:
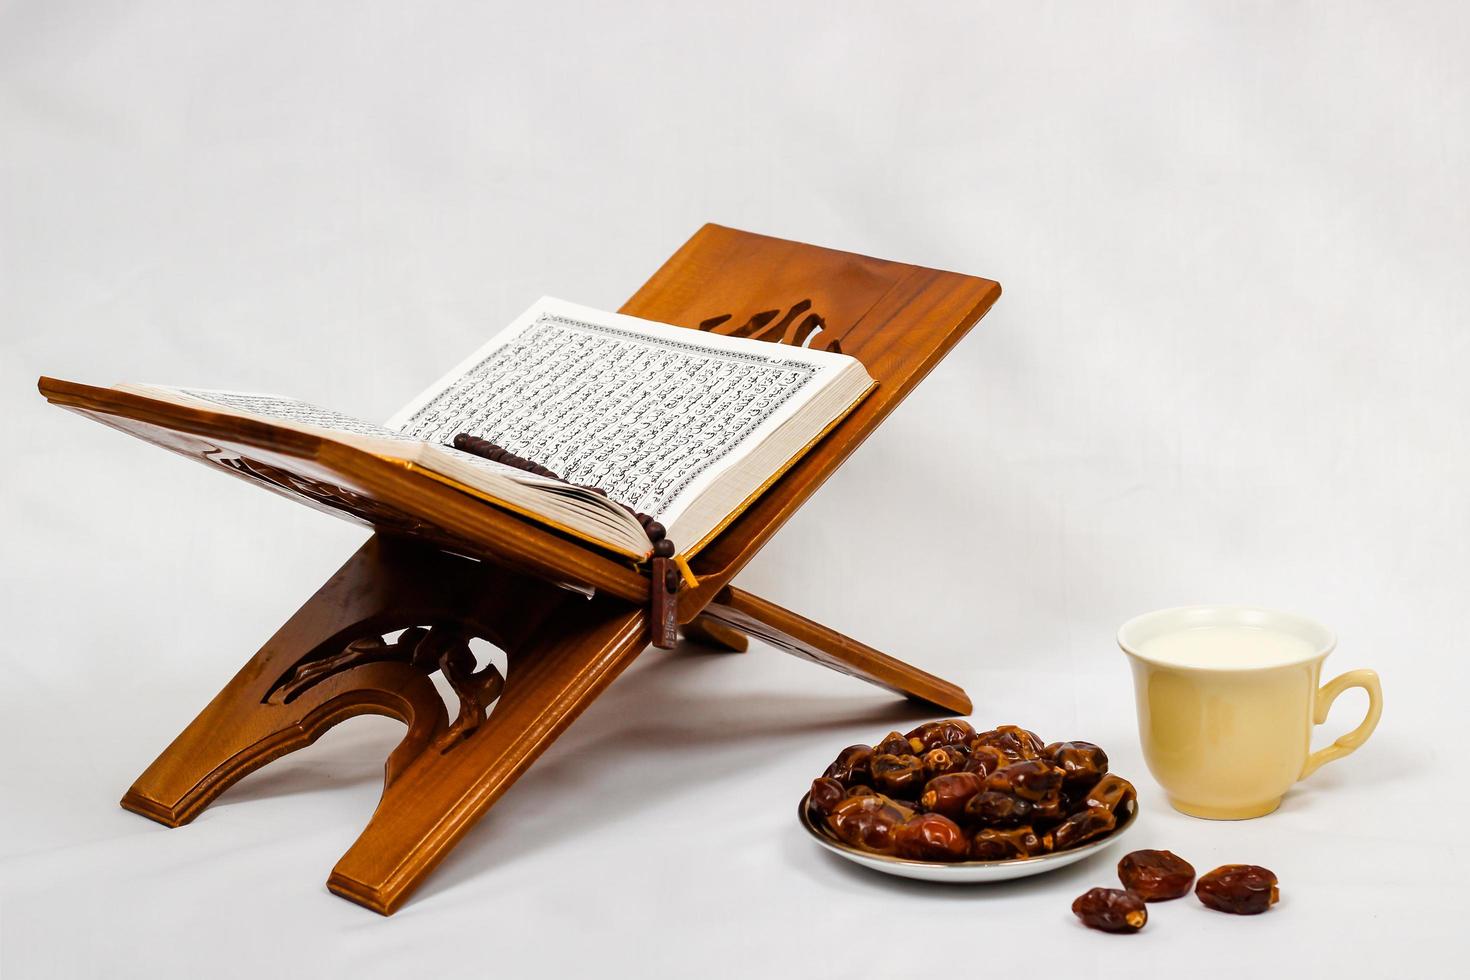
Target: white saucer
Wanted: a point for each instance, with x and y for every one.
(967, 872)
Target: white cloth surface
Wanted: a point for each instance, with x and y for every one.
(1229, 365)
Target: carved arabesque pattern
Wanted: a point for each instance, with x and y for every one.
(332, 498)
(442, 647)
(798, 327)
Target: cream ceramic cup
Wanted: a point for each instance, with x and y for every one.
(1227, 697)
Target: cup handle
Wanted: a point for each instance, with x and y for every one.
(1345, 745)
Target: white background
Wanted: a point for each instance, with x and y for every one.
(1229, 365)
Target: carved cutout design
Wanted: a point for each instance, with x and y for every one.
(798, 327)
(322, 663)
(333, 499)
(477, 689)
(427, 649)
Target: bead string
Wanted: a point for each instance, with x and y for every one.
(657, 535)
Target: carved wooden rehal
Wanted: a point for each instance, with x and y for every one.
(445, 568)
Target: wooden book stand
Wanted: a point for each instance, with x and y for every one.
(445, 567)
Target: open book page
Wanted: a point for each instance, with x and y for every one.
(571, 508)
(647, 412)
(293, 411)
(346, 428)
(678, 424)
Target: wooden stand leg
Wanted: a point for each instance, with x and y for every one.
(337, 657)
(798, 635)
(343, 654)
(713, 633)
(424, 813)
(261, 715)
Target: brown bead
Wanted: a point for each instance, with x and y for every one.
(655, 531)
(1110, 910)
(663, 549)
(1156, 876)
(1240, 889)
(931, 837)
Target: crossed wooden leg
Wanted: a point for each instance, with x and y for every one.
(369, 640)
(424, 813)
(711, 632)
(738, 612)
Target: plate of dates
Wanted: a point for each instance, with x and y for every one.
(948, 803)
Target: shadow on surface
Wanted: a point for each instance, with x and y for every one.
(649, 737)
(633, 745)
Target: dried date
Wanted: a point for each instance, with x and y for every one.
(1111, 793)
(931, 837)
(996, 844)
(1240, 889)
(850, 768)
(949, 793)
(1155, 876)
(825, 794)
(895, 744)
(899, 776)
(932, 735)
(1038, 783)
(985, 759)
(1082, 762)
(868, 822)
(1029, 780)
(1111, 910)
(1013, 741)
(945, 759)
(1086, 824)
(995, 809)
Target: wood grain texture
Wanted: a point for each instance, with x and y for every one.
(899, 320)
(446, 566)
(562, 651)
(389, 585)
(798, 635)
(553, 677)
(356, 485)
(711, 632)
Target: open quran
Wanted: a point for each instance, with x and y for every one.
(632, 418)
